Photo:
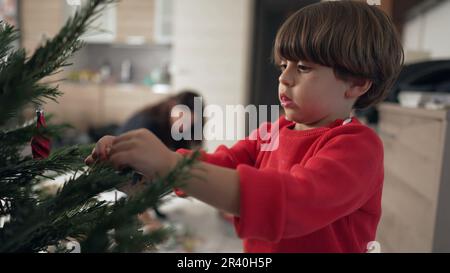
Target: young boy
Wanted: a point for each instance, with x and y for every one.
(320, 190)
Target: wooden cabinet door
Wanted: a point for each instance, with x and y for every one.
(38, 19)
(415, 216)
(135, 21)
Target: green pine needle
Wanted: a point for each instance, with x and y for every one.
(40, 219)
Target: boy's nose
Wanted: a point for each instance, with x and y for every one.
(284, 80)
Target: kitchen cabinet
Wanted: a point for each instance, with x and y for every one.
(135, 21)
(92, 105)
(144, 22)
(163, 19)
(416, 190)
(130, 22)
(103, 29)
(39, 19)
(44, 18)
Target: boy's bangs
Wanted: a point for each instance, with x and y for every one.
(308, 36)
(288, 46)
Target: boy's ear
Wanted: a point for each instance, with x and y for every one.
(357, 88)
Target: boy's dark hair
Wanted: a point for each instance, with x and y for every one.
(357, 40)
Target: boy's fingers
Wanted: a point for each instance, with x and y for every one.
(122, 147)
(129, 135)
(102, 151)
(94, 154)
(119, 161)
(124, 137)
(99, 150)
(89, 160)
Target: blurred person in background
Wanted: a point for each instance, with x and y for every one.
(157, 119)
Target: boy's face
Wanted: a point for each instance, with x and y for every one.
(311, 94)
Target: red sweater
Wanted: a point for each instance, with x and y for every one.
(320, 191)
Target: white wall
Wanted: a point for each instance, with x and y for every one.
(429, 33)
(211, 51)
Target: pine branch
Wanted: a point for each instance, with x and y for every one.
(23, 134)
(72, 214)
(19, 77)
(55, 53)
(88, 185)
(150, 197)
(7, 36)
(24, 173)
(128, 238)
(13, 141)
(15, 86)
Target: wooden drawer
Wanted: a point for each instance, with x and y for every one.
(407, 223)
(88, 105)
(43, 17)
(78, 106)
(417, 179)
(122, 101)
(413, 148)
(135, 18)
(422, 135)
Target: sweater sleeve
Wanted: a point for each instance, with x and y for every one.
(340, 178)
(243, 152)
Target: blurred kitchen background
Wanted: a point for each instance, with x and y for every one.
(142, 51)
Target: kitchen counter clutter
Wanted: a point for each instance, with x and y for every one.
(416, 194)
(93, 105)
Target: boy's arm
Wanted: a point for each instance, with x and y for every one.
(214, 185)
(243, 152)
(226, 158)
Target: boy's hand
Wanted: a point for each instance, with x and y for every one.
(101, 150)
(142, 151)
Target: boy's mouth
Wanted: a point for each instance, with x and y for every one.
(286, 101)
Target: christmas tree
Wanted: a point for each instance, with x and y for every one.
(35, 220)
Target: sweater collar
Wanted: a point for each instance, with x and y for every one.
(289, 128)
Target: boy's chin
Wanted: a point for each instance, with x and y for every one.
(289, 116)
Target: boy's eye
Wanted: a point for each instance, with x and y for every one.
(302, 68)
